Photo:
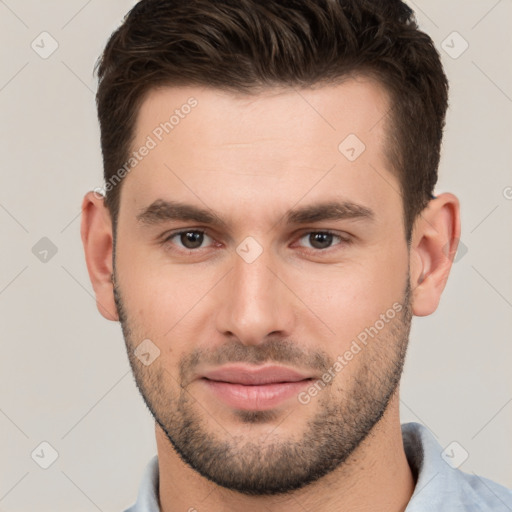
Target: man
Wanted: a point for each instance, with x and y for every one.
(268, 231)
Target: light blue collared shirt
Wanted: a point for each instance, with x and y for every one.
(439, 486)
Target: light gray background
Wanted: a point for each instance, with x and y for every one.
(64, 373)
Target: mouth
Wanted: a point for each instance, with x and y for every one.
(250, 388)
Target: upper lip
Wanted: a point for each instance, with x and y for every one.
(250, 375)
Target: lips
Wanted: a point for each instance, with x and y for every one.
(249, 388)
(251, 376)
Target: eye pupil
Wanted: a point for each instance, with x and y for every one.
(192, 239)
(321, 240)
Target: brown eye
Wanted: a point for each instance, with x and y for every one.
(190, 239)
(321, 240)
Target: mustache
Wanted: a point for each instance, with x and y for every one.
(273, 351)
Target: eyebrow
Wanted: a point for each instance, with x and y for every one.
(161, 211)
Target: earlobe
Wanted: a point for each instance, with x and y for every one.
(434, 244)
(97, 239)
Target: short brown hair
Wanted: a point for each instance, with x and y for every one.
(247, 45)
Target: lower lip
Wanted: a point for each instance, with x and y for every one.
(256, 397)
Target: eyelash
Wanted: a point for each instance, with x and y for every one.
(342, 240)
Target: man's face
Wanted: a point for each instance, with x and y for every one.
(262, 286)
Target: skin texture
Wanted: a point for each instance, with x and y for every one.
(249, 159)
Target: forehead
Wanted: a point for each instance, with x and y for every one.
(277, 145)
(357, 105)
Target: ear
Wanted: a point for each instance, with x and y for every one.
(434, 243)
(97, 239)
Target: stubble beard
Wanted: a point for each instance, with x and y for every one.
(271, 465)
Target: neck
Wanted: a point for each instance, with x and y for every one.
(376, 477)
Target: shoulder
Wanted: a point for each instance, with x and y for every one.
(440, 484)
(147, 497)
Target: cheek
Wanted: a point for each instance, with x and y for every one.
(350, 297)
(161, 299)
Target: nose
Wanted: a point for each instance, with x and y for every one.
(255, 302)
